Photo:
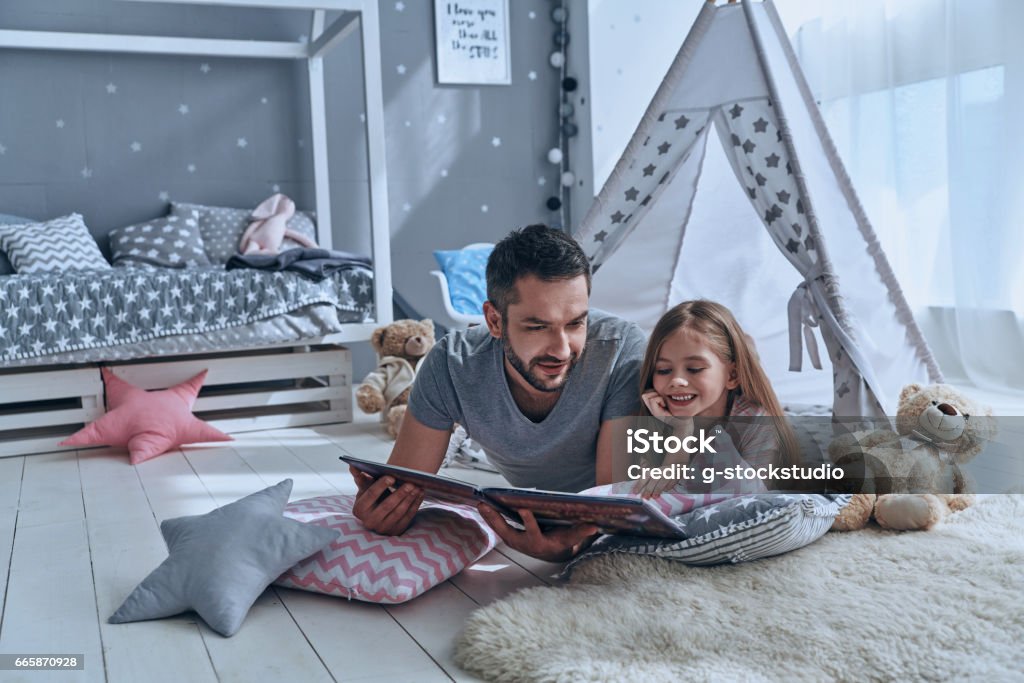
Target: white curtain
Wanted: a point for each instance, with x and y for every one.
(925, 101)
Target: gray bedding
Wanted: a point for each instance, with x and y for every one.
(87, 316)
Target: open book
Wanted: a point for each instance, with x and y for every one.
(612, 514)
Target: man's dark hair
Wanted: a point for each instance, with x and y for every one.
(537, 250)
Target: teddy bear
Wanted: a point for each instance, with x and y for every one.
(400, 347)
(914, 474)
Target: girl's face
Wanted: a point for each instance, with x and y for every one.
(691, 378)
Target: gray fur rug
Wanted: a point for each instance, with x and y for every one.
(947, 604)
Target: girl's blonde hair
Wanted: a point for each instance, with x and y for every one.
(732, 345)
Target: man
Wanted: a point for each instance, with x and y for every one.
(537, 388)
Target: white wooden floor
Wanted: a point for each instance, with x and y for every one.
(78, 531)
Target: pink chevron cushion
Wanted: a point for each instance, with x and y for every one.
(445, 539)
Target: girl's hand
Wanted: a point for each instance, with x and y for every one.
(656, 404)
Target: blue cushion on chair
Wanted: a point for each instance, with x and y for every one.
(467, 283)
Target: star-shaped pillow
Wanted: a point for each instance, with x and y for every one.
(220, 562)
(149, 423)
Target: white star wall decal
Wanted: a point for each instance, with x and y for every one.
(532, 75)
(60, 123)
(191, 168)
(542, 181)
(362, 118)
(264, 100)
(86, 172)
(496, 141)
(111, 89)
(205, 68)
(243, 143)
(399, 6)
(444, 172)
(408, 123)
(164, 196)
(275, 188)
(136, 146)
(3, 150)
(400, 68)
(183, 109)
(484, 208)
(441, 118)
(532, 14)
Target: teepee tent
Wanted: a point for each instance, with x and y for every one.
(731, 173)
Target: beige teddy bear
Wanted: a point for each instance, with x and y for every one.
(913, 478)
(400, 347)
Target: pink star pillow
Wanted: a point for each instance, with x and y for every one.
(149, 423)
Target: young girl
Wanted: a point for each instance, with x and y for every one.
(701, 371)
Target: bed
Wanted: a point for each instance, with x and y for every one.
(273, 342)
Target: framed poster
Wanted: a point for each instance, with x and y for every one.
(472, 39)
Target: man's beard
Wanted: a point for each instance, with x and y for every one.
(525, 370)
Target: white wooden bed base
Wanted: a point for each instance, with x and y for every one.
(249, 390)
(41, 405)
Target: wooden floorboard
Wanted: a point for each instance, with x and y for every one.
(51, 603)
(359, 641)
(80, 530)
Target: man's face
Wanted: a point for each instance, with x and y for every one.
(545, 332)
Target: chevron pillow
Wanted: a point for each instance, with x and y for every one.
(56, 245)
(445, 539)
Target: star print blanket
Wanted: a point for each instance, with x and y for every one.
(726, 529)
(43, 314)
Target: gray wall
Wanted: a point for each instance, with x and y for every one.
(67, 140)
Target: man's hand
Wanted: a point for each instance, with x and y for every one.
(556, 545)
(381, 510)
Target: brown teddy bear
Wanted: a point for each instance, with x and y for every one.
(400, 347)
(915, 474)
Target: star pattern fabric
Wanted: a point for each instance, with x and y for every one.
(41, 315)
(669, 141)
(219, 563)
(148, 423)
(755, 143)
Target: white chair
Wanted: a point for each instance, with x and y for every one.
(457, 320)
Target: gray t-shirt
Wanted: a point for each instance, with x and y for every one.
(463, 380)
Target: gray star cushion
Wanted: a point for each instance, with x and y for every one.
(220, 562)
(169, 242)
(740, 529)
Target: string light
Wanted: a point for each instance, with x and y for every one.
(567, 128)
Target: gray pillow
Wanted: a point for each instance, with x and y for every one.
(169, 242)
(222, 561)
(221, 227)
(740, 529)
(55, 245)
(6, 219)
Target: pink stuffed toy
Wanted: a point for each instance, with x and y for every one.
(269, 228)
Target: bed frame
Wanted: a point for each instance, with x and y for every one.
(300, 383)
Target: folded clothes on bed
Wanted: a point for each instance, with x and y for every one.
(314, 264)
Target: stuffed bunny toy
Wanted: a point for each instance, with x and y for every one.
(269, 227)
